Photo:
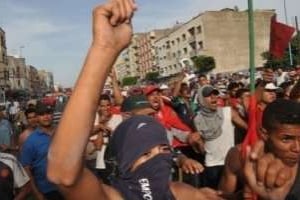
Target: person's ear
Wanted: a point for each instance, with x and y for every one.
(263, 133)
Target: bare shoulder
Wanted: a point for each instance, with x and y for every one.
(233, 159)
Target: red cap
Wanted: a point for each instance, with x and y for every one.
(150, 88)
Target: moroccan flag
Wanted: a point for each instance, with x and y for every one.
(280, 36)
(251, 137)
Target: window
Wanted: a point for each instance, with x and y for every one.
(199, 29)
(200, 45)
(192, 31)
(178, 40)
(183, 37)
(179, 53)
(185, 51)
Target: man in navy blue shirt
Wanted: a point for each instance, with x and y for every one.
(34, 155)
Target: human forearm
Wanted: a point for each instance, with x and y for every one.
(24, 191)
(117, 93)
(75, 135)
(38, 195)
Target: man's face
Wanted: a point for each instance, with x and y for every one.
(159, 149)
(211, 101)
(104, 108)
(245, 100)
(232, 92)
(154, 100)
(284, 142)
(45, 120)
(203, 81)
(32, 119)
(268, 75)
(185, 93)
(268, 96)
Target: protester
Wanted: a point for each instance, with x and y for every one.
(33, 155)
(280, 122)
(216, 134)
(32, 123)
(112, 33)
(14, 181)
(276, 174)
(6, 132)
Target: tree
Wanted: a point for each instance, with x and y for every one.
(131, 80)
(152, 76)
(204, 64)
(285, 61)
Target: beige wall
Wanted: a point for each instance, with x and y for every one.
(4, 79)
(226, 38)
(221, 34)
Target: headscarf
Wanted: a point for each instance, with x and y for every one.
(209, 122)
(133, 138)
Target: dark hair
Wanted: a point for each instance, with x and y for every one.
(285, 85)
(232, 85)
(295, 92)
(104, 97)
(280, 112)
(29, 110)
(202, 76)
(240, 92)
(266, 68)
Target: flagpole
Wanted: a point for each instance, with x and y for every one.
(286, 21)
(251, 46)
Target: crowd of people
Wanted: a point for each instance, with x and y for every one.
(179, 140)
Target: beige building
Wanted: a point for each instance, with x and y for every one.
(46, 81)
(122, 66)
(18, 73)
(145, 51)
(4, 74)
(221, 34)
(34, 80)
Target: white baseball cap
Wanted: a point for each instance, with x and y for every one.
(270, 86)
(164, 87)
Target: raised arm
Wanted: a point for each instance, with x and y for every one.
(116, 88)
(112, 33)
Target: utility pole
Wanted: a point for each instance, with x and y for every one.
(20, 49)
(298, 32)
(286, 21)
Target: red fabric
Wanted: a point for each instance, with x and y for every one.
(150, 88)
(233, 102)
(251, 136)
(168, 118)
(281, 34)
(115, 109)
(220, 102)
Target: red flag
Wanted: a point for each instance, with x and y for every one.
(280, 36)
(251, 136)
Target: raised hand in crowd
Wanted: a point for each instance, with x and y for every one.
(267, 176)
(195, 140)
(189, 165)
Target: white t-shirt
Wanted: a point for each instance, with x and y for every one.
(216, 150)
(114, 121)
(19, 173)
